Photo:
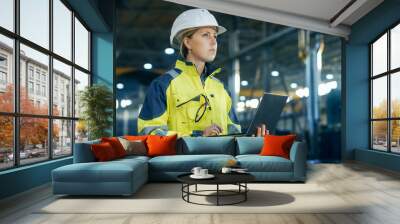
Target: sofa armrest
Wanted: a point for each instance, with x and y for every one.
(298, 155)
(83, 152)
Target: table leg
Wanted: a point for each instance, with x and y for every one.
(188, 189)
(245, 193)
(196, 188)
(217, 194)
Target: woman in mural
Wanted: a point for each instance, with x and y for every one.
(189, 100)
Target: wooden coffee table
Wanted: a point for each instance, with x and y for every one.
(238, 179)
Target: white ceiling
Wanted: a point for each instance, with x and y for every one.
(320, 9)
(314, 15)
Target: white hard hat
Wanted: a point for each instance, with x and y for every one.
(192, 18)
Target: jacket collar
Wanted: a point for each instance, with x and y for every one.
(184, 65)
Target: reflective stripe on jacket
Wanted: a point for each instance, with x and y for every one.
(174, 99)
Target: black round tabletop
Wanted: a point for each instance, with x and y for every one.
(220, 178)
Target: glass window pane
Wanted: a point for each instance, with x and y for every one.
(395, 95)
(7, 14)
(34, 81)
(379, 55)
(62, 29)
(81, 131)
(379, 135)
(6, 74)
(81, 81)
(6, 142)
(62, 89)
(395, 47)
(62, 138)
(395, 136)
(33, 140)
(81, 45)
(35, 21)
(379, 98)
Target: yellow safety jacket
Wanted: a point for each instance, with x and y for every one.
(179, 102)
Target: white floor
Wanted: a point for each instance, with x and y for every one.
(378, 190)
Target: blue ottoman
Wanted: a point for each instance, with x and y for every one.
(118, 177)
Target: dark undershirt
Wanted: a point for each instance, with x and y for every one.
(203, 75)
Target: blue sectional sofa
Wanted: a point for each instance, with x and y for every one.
(125, 176)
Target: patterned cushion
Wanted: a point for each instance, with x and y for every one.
(136, 147)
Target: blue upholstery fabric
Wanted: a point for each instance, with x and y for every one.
(167, 168)
(206, 145)
(249, 145)
(257, 163)
(94, 172)
(88, 188)
(298, 155)
(129, 158)
(184, 163)
(119, 177)
(126, 175)
(83, 152)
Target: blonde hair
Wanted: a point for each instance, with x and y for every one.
(183, 50)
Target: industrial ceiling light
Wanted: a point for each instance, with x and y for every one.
(120, 86)
(293, 85)
(244, 83)
(125, 103)
(169, 50)
(275, 73)
(240, 106)
(329, 76)
(147, 66)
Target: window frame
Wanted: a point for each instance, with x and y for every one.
(16, 114)
(3, 74)
(388, 74)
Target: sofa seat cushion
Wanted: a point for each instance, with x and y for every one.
(133, 158)
(112, 171)
(185, 163)
(257, 163)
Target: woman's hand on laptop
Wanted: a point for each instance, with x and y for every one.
(261, 131)
(212, 130)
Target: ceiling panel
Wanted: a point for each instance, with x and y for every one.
(320, 9)
(332, 17)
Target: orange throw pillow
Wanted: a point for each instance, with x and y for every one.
(277, 145)
(103, 152)
(116, 145)
(161, 145)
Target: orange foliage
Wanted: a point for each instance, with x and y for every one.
(380, 127)
(33, 130)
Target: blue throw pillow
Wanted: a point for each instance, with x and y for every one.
(206, 145)
(249, 145)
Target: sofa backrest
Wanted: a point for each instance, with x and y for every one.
(83, 152)
(206, 145)
(249, 145)
(190, 146)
